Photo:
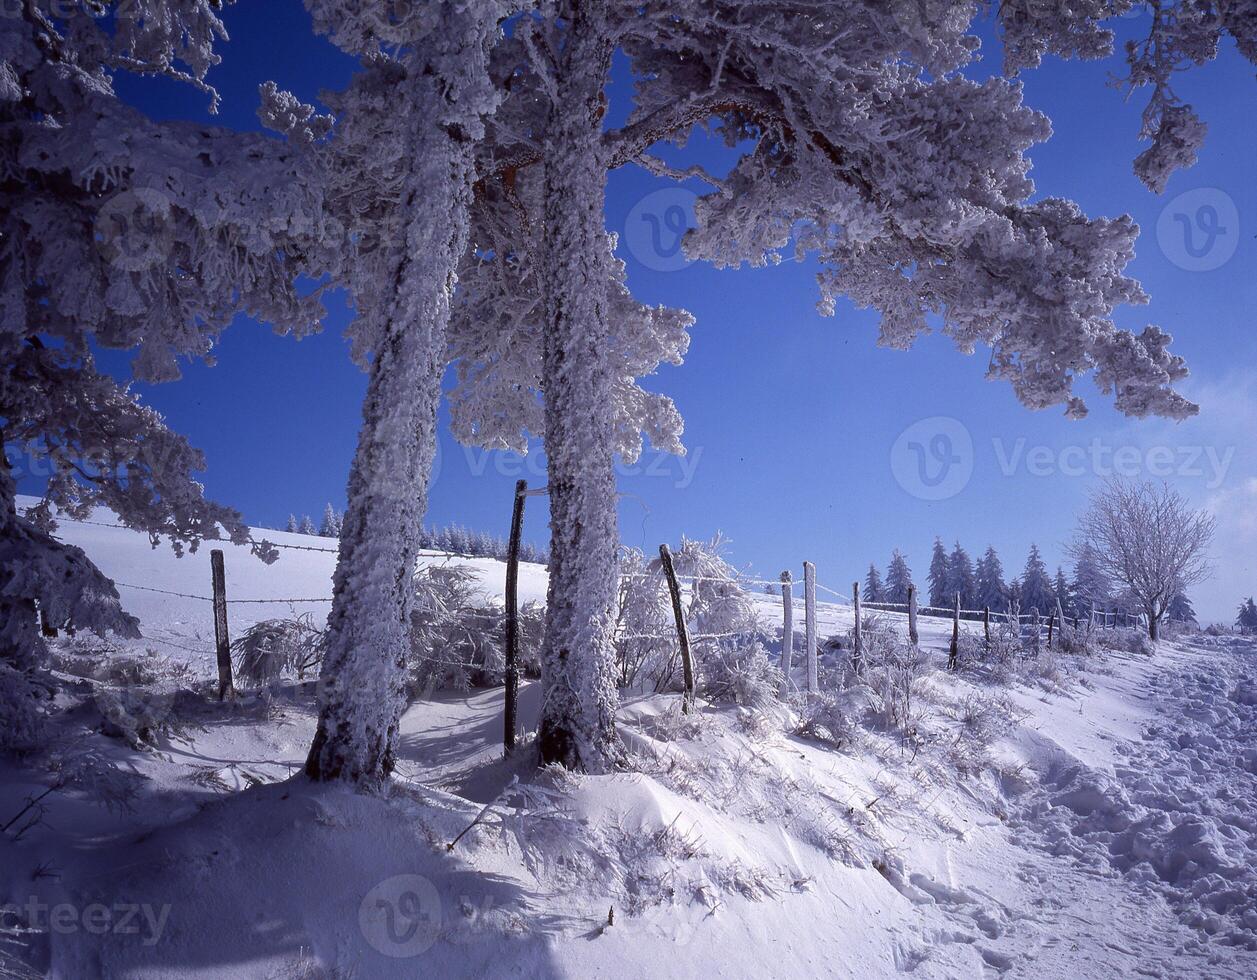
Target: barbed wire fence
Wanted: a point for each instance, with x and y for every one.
(785, 588)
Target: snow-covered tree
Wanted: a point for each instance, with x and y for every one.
(941, 595)
(1035, 586)
(398, 174)
(329, 527)
(873, 585)
(1091, 588)
(1246, 619)
(842, 123)
(119, 232)
(291, 526)
(992, 593)
(898, 578)
(1062, 593)
(1180, 609)
(1148, 539)
(306, 526)
(960, 577)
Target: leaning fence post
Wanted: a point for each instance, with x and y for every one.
(912, 615)
(1060, 616)
(787, 629)
(809, 624)
(683, 634)
(218, 576)
(1051, 624)
(953, 653)
(511, 675)
(857, 642)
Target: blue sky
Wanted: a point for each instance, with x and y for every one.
(806, 440)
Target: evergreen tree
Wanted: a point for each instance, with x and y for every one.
(1036, 586)
(960, 578)
(291, 526)
(1247, 618)
(939, 578)
(1014, 596)
(991, 590)
(873, 584)
(1064, 595)
(1091, 587)
(306, 526)
(330, 528)
(1180, 609)
(898, 578)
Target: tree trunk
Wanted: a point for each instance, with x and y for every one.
(577, 659)
(362, 682)
(1154, 626)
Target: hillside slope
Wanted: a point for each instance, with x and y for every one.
(1097, 817)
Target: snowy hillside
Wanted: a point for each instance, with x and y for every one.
(1096, 815)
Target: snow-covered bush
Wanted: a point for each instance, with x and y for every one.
(742, 673)
(457, 635)
(823, 717)
(269, 649)
(890, 678)
(645, 631)
(1127, 640)
(728, 659)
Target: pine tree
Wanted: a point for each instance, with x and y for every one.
(1247, 618)
(960, 578)
(873, 585)
(991, 590)
(938, 577)
(898, 578)
(1091, 587)
(1180, 609)
(330, 526)
(1063, 593)
(1036, 586)
(306, 526)
(291, 526)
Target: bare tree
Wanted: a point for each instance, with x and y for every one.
(1148, 539)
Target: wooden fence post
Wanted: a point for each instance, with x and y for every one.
(1051, 624)
(510, 707)
(1060, 616)
(787, 629)
(1035, 626)
(913, 637)
(218, 576)
(857, 633)
(953, 654)
(986, 623)
(809, 625)
(683, 633)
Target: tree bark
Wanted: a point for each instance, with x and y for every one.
(362, 681)
(580, 695)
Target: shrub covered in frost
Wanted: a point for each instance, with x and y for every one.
(728, 659)
(273, 648)
(823, 717)
(457, 635)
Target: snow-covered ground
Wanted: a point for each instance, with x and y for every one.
(1100, 824)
